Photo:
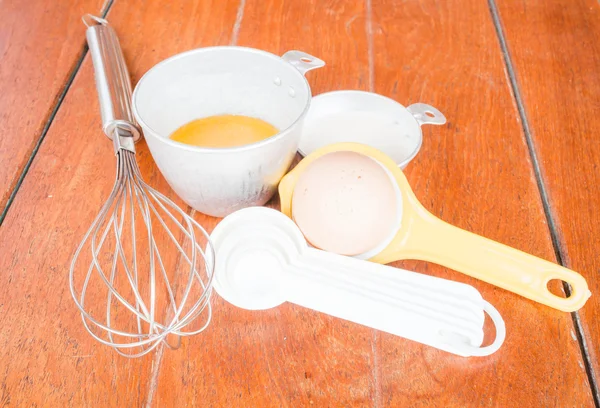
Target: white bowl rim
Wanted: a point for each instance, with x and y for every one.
(281, 134)
(351, 92)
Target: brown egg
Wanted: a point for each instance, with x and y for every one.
(345, 202)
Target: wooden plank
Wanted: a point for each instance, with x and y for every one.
(48, 358)
(401, 372)
(475, 173)
(40, 44)
(290, 356)
(286, 356)
(555, 48)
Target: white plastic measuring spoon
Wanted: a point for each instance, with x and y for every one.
(262, 260)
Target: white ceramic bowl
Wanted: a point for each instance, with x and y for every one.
(367, 118)
(224, 80)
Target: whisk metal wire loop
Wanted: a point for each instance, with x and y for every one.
(145, 303)
(129, 192)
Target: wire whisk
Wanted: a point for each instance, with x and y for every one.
(143, 273)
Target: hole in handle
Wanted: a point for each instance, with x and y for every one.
(91, 20)
(557, 288)
(306, 60)
(430, 114)
(481, 351)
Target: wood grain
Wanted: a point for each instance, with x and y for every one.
(40, 44)
(474, 173)
(287, 356)
(555, 49)
(402, 373)
(48, 359)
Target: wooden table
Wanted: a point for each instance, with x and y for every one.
(517, 162)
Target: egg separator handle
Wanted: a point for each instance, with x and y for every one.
(431, 239)
(444, 314)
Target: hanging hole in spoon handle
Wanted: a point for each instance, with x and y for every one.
(91, 20)
(422, 308)
(426, 114)
(431, 239)
(302, 61)
(500, 327)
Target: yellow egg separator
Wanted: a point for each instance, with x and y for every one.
(425, 237)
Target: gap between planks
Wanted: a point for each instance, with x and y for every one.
(374, 339)
(558, 250)
(157, 360)
(371, 65)
(50, 120)
(369, 31)
(540, 184)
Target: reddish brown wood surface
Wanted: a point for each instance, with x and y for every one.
(474, 172)
(555, 49)
(48, 359)
(286, 356)
(383, 361)
(40, 43)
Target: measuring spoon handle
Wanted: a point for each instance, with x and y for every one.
(431, 239)
(441, 313)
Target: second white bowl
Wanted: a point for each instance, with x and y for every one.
(367, 118)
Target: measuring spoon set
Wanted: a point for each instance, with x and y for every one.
(263, 260)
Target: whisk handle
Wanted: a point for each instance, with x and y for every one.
(112, 81)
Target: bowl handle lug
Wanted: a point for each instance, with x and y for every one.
(302, 61)
(426, 114)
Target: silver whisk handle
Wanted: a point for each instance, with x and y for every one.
(112, 83)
